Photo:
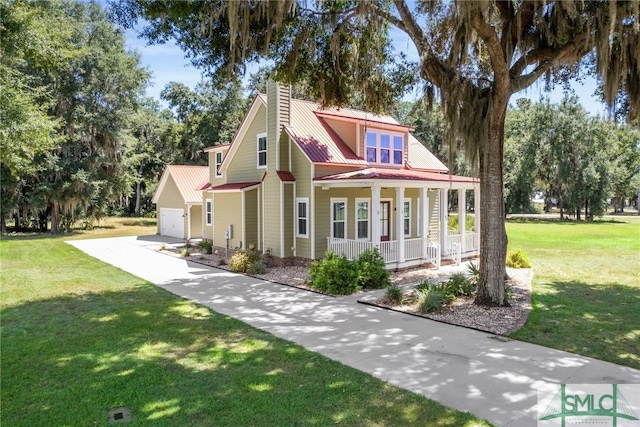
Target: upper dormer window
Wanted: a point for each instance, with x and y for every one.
(218, 163)
(385, 147)
(262, 150)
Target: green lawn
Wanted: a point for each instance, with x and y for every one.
(80, 337)
(586, 287)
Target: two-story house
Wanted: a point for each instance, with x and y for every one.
(299, 179)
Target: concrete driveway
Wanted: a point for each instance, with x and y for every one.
(472, 371)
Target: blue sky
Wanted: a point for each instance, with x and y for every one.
(168, 64)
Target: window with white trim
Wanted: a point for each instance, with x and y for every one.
(362, 218)
(406, 215)
(262, 150)
(209, 211)
(218, 163)
(339, 218)
(384, 147)
(302, 217)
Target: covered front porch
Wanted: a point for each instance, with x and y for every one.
(405, 216)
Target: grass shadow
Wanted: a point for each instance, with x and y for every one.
(597, 320)
(67, 360)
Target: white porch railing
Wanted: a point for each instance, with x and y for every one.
(413, 249)
(347, 247)
(454, 244)
(389, 249)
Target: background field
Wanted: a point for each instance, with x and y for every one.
(586, 286)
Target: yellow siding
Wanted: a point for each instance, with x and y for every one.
(196, 221)
(213, 179)
(284, 152)
(346, 131)
(413, 194)
(323, 212)
(170, 198)
(287, 211)
(301, 169)
(227, 210)
(244, 166)
(251, 218)
(207, 230)
(271, 214)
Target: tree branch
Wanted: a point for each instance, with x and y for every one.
(548, 57)
(489, 36)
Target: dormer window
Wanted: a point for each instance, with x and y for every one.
(385, 147)
(262, 150)
(218, 163)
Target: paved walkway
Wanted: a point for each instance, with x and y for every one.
(465, 369)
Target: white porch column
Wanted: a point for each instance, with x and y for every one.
(462, 217)
(444, 218)
(375, 216)
(424, 221)
(476, 216)
(400, 222)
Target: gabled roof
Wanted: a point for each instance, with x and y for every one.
(187, 178)
(258, 101)
(419, 157)
(309, 129)
(396, 175)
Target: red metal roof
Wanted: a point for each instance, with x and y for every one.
(286, 176)
(233, 186)
(187, 178)
(396, 174)
(203, 186)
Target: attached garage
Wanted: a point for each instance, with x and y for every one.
(171, 222)
(178, 201)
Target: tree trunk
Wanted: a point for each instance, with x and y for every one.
(138, 188)
(55, 219)
(3, 225)
(578, 214)
(493, 237)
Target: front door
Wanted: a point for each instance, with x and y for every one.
(385, 229)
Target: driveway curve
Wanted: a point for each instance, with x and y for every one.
(473, 371)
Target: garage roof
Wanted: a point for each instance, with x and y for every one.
(187, 178)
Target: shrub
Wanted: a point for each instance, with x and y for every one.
(371, 271)
(393, 294)
(222, 261)
(458, 285)
(206, 246)
(240, 261)
(425, 284)
(334, 274)
(185, 253)
(256, 267)
(430, 299)
(473, 273)
(518, 259)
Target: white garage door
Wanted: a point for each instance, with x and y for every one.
(172, 222)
